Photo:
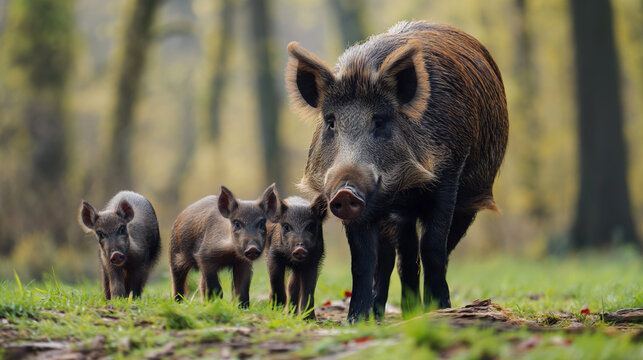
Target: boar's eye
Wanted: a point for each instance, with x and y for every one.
(122, 230)
(381, 126)
(262, 225)
(330, 121)
(286, 228)
(236, 225)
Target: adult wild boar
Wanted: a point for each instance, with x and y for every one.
(129, 240)
(411, 125)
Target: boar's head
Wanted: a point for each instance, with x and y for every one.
(248, 220)
(368, 125)
(111, 230)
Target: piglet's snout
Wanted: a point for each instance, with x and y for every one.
(252, 252)
(299, 253)
(117, 258)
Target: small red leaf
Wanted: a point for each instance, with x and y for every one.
(585, 311)
(347, 294)
(327, 303)
(363, 339)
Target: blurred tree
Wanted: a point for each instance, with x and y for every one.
(603, 214)
(221, 40)
(525, 93)
(349, 19)
(38, 54)
(135, 41)
(267, 93)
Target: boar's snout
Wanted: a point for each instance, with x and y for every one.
(346, 204)
(117, 258)
(252, 252)
(299, 253)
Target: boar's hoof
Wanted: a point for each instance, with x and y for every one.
(300, 253)
(346, 205)
(117, 258)
(252, 252)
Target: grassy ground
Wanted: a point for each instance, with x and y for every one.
(547, 295)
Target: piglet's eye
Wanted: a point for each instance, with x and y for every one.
(286, 228)
(236, 225)
(122, 230)
(100, 235)
(311, 227)
(262, 225)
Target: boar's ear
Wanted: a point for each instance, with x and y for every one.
(307, 79)
(272, 204)
(227, 202)
(88, 216)
(403, 70)
(125, 210)
(319, 207)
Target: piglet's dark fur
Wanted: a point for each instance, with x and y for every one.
(128, 235)
(219, 232)
(297, 243)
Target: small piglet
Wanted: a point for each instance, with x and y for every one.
(128, 235)
(220, 232)
(296, 242)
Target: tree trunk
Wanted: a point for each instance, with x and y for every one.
(39, 47)
(131, 65)
(219, 62)
(349, 20)
(267, 93)
(603, 214)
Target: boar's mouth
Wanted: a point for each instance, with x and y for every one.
(347, 203)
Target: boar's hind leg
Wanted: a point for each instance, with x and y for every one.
(210, 286)
(179, 281)
(459, 226)
(135, 281)
(385, 265)
(433, 245)
(408, 265)
(362, 240)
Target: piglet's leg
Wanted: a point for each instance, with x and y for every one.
(294, 291)
(277, 287)
(241, 276)
(308, 284)
(117, 282)
(105, 280)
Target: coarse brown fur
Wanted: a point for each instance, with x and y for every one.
(128, 234)
(415, 122)
(219, 232)
(298, 231)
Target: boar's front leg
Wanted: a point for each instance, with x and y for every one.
(433, 245)
(105, 281)
(408, 265)
(362, 240)
(277, 271)
(385, 265)
(117, 282)
(241, 277)
(308, 284)
(135, 281)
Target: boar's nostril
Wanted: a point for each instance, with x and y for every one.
(252, 252)
(300, 253)
(117, 258)
(345, 205)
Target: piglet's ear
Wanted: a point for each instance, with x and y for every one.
(403, 71)
(319, 208)
(87, 217)
(125, 210)
(307, 79)
(227, 202)
(272, 204)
